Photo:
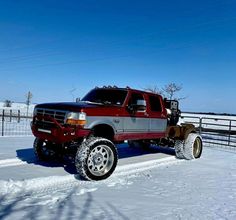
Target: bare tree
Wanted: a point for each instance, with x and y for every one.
(171, 89)
(154, 89)
(7, 103)
(168, 91)
(29, 97)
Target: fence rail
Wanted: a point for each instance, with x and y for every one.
(14, 123)
(215, 130)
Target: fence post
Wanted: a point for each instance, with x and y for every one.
(230, 127)
(3, 118)
(18, 120)
(200, 126)
(10, 115)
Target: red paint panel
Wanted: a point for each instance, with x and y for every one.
(60, 135)
(138, 136)
(121, 111)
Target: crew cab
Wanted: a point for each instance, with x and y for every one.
(90, 128)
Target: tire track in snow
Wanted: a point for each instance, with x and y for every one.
(45, 185)
(12, 162)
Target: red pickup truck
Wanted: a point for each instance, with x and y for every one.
(90, 128)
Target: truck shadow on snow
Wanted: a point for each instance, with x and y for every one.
(124, 151)
(66, 207)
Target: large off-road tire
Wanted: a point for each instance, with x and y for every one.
(189, 149)
(179, 149)
(96, 158)
(44, 151)
(139, 143)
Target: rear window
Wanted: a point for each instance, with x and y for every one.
(155, 103)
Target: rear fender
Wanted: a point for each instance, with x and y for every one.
(180, 132)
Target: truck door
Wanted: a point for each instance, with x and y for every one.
(157, 118)
(136, 120)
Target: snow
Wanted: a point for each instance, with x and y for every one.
(145, 185)
(18, 106)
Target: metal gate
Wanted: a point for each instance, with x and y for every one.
(215, 131)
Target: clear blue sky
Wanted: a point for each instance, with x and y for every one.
(53, 47)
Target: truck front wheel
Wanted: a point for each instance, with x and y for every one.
(96, 158)
(44, 150)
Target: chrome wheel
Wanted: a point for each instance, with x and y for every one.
(96, 158)
(100, 160)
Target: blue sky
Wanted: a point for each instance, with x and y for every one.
(54, 47)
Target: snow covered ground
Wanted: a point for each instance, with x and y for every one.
(145, 185)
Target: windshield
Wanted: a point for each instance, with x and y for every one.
(106, 96)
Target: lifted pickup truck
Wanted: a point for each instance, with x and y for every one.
(89, 129)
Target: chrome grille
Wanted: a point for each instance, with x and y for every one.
(56, 114)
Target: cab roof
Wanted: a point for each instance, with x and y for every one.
(127, 89)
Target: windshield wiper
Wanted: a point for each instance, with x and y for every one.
(99, 102)
(106, 103)
(95, 103)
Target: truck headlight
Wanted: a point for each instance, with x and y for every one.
(76, 118)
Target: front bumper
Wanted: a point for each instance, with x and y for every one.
(57, 133)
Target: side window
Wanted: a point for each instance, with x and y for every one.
(135, 100)
(155, 103)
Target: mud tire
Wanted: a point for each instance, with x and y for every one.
(179, 149)
(96, 159)
(43, 151)
(189, 149)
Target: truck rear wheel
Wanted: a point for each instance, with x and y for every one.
(96, 158)
(179, 149)
(189, 149)
(44, 150)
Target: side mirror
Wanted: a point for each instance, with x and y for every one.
(77, 100)
(141, 105)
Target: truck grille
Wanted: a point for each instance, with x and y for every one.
(56, 114)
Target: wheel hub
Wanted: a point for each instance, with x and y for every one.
(97, 159)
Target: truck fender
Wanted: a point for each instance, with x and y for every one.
(102, 122)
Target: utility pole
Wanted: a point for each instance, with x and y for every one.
(29, 96)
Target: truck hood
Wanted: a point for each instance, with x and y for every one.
(67, 106)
